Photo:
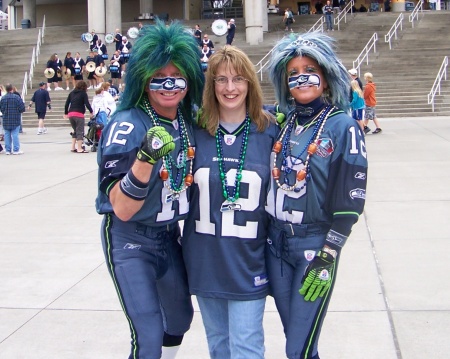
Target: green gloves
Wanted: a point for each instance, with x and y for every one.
(318, 276)
(156, 144)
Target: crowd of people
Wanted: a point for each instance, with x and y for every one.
(268, 202)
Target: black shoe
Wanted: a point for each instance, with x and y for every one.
(366, 129)
(377, 130)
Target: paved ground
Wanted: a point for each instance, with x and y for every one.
(392, 299)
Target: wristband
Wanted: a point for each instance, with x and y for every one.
(133, 188)
(49, 106)
(335, 239)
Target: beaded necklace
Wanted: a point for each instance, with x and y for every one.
(231, 198)
(283, 146)
(182, 180)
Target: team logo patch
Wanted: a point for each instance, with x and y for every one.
(309, 255)
(325, 147)
(132, 246)
(260, 280)
(298, 130)
(157, 143)
(229, 139)
(175, 124)
(111, 164)
(324, 275)
(358, 193)
(360, 175)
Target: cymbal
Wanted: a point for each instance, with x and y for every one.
(100, 71)
(49, 73)
(66, 74)
(90, 66)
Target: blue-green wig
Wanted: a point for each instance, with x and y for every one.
(156, 47)
(319, 47)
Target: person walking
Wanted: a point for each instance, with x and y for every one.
(357, 104)
(319, 185)
(227, 224)
(145, 164)
(288, 19)
(12, 107)
(370, 100)
(42, 101)
(231, 31)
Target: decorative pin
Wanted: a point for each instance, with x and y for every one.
(298, 130)
(229, 139)
(172, 197)
(228, 206)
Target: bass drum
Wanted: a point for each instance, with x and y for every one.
(87, 37)
(219, 27)
(133, 32)
(109, 38)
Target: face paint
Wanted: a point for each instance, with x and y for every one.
(168, 84)
(304, 80)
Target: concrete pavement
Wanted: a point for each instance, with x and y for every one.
(391, 301)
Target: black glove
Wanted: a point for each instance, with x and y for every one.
(156, 144)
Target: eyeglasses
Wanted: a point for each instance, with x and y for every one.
(223, 80)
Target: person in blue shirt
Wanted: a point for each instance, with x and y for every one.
(318, 189)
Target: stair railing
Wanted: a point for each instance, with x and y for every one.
(343, 14)
(260, 66)
(415, 13)
(393, 31)
(24, 86)
(364, 55)
(437, 83)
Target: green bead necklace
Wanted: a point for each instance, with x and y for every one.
(223, 177)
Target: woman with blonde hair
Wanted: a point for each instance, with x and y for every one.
(357, 104)
(227, 224)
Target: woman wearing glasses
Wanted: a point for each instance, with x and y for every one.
(226, 229)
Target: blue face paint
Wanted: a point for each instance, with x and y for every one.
(168, 84)
(304, 80)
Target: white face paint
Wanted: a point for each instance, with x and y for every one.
(304, 80)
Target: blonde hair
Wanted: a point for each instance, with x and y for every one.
(105, 86)
(368, 76)
(356, 88)
(239, 61)
(99, 90)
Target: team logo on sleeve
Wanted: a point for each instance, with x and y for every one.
(111, 164)
(324, 147)
(358, 193)
(360, 175)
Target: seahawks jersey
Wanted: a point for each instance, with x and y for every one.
(118, 146)
(336, 186)
(223, 247)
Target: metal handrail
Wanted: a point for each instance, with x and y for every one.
(415, 13)
(260, 66)
(364, 55)
(24, 86)
(343, 14)
(437, 83)
(393, 31)
(318, 25)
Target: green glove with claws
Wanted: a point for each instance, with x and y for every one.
(318, 276)
(156, 144)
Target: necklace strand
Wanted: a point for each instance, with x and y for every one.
(282, 145)
(182, 181)
(223, 177)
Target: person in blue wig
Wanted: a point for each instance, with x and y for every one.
(145, 160)
(319, 175)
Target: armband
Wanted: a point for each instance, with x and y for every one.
(133, 188)
(335, 239)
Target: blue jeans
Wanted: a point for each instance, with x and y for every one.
(329, 21)
(12, 138)
(234, 328)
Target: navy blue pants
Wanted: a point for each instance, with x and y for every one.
(147, 268)
(289, 251)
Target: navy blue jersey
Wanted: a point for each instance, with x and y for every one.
(224, 250)
(338, 175)
(118, 146)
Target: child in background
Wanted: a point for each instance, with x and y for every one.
(370, 101)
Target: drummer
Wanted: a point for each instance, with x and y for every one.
(117, 39)
(99, 62)
(115, 69)
(78, 67)
(68, 70)
(206, 40)
(205, 54)
(92, 80)
(55, 64)
(125, 49)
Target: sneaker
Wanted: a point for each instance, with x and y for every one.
(39, 132)
(58, 89)
(49, 89)
(377, 130)
(18, 152)
(7, 153)
(44, 130)
(67, 88)
(366, 129)
(90, 87)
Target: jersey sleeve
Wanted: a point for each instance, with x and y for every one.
(346, 189)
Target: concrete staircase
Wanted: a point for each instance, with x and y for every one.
(403, 75)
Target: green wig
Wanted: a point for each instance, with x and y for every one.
(156, 47)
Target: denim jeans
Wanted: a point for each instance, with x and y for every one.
(234, 328)
(329, 21)
(12, 135)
